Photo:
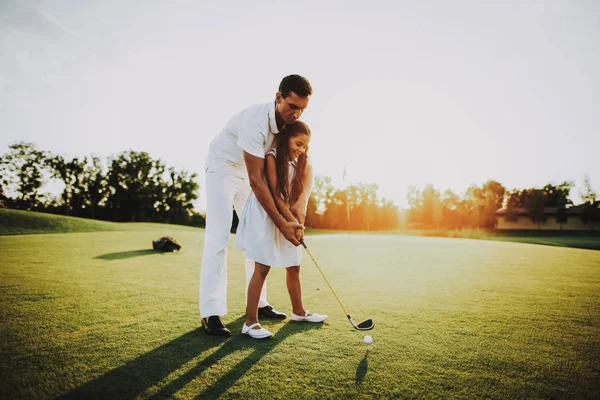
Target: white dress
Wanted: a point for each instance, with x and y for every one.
(258, 236)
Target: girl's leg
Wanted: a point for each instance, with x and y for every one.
(292, 280)
(254, 288)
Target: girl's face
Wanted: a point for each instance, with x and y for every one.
(298, 145)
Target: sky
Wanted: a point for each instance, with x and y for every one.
(405, 93)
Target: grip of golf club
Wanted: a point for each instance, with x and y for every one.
(303, 244)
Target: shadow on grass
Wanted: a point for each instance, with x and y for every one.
(261, 348)
(126, 254)
(362, 368)
(139, 375)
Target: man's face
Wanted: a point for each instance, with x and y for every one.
(291, 107)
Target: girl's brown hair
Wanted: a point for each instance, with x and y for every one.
(282, 163)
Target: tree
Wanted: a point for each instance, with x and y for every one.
(559, 194)
(179, 194)
(71, 173)
(387, 216)
(135, 183)
(319, 201)
(512, 203)
(535, 206)
(588, 195)
(558, 197)
(312, 218)
(431, 213)
(482, 203)
(3, 182)
(471, 206)
(415, 204)
(335, 214)
(23, 173)
(493, 197)
(591, 204)
(133, 188)
(450, 203)
(356, 207)
(369, 204)
(2, 196)
(97, 188)
(561, 212)
(361, 205)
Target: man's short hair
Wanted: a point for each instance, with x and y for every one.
(296, 84)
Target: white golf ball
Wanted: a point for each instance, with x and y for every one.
(368, 339)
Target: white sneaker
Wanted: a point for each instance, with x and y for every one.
(261, 333)
(309, 318)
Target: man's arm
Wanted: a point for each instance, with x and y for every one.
(255, 166)
(299, 207)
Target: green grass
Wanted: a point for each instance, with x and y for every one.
(17, 222)
(576, 239)
(98, 315)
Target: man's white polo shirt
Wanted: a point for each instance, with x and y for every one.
(252, 130)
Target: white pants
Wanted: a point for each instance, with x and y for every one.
(222, 191)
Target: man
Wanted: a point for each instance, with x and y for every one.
(236, 158)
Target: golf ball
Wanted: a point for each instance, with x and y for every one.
(368, 339)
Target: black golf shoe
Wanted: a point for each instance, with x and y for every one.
(214, 326)
(269, 312)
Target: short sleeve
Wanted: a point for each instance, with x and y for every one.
(252, 138)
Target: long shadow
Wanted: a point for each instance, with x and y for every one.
(362, 368)
(261, 348)
(138, 375)
(126, 254)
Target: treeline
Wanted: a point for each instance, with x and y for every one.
(358, 207)
(129, 187)
(133, 187)
(477, 207)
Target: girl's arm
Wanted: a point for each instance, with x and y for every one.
(271, 174)
(299, 207)
(256, 167)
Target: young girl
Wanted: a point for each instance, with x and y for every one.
(289, 176)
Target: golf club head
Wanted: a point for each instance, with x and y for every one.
(365, 325)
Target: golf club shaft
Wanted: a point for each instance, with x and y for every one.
(324, 277)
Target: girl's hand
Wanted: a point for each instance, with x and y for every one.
(299, 234)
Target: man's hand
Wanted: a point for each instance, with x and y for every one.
(289, 229)
(299, 211)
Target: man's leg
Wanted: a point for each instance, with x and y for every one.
(213, 271)
(264, 308)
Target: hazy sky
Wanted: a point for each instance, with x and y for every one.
(405, 93)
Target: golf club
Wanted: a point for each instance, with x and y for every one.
(365, 325)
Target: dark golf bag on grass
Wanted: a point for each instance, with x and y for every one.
(166, 244)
